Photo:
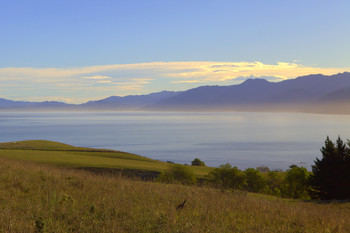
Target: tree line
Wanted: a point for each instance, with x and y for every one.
(329, 179)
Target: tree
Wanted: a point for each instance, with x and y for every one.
(197, 162)
(331, 174)
(254, 181)
(296, 182)
(275, 181)
(227, 176)
(263, 169)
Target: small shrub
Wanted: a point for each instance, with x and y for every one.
(197, 162)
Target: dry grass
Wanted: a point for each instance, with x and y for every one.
(36, 197)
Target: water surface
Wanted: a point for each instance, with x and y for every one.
(276, 140)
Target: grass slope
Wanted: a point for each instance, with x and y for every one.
(43, 198)
(66, 155)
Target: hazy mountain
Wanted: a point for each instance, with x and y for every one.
(24, 105)
(341, 95)
(307, 93)
(128, 102)
(312, 93)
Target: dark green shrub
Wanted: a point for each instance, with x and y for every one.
(197, 162)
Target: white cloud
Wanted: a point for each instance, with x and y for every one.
(140, 78)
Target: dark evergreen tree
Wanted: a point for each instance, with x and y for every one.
(331, 174)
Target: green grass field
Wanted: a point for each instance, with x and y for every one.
(66, 155)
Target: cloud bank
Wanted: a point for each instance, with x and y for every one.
(81, 84)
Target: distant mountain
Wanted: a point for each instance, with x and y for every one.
(131, 102)
(313, 93)
(341, 95)
(24, 105)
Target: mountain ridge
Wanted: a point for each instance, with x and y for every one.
(296, 95)
(312, 93)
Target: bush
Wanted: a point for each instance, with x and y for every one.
(254, 181)
(178, 173)
(227, 176)
(197, 162)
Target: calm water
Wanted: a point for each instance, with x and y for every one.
(276, 140)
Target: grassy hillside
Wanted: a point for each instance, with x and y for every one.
(46, 198)
(66, 155)
(40, 145)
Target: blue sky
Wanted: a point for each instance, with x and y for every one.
(75, 51)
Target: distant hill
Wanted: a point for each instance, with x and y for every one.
(313, 93)
(24, 105)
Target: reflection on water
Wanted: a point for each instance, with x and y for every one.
(276, 140)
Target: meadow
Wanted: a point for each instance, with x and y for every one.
(45, 198)
(69, 156)
(41, 190)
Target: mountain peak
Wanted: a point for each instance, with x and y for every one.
(255, 81)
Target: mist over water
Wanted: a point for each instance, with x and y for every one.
(276, 140)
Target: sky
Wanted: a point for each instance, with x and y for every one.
(75, 51)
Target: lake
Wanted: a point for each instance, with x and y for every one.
(276, 140)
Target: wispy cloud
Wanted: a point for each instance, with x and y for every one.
(97, 77)
(104, 81)
(95, 82)
(187, 81)
(134, 81)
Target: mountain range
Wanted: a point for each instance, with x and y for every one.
(313, 93)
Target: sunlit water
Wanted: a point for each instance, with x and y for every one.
(276, 140)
